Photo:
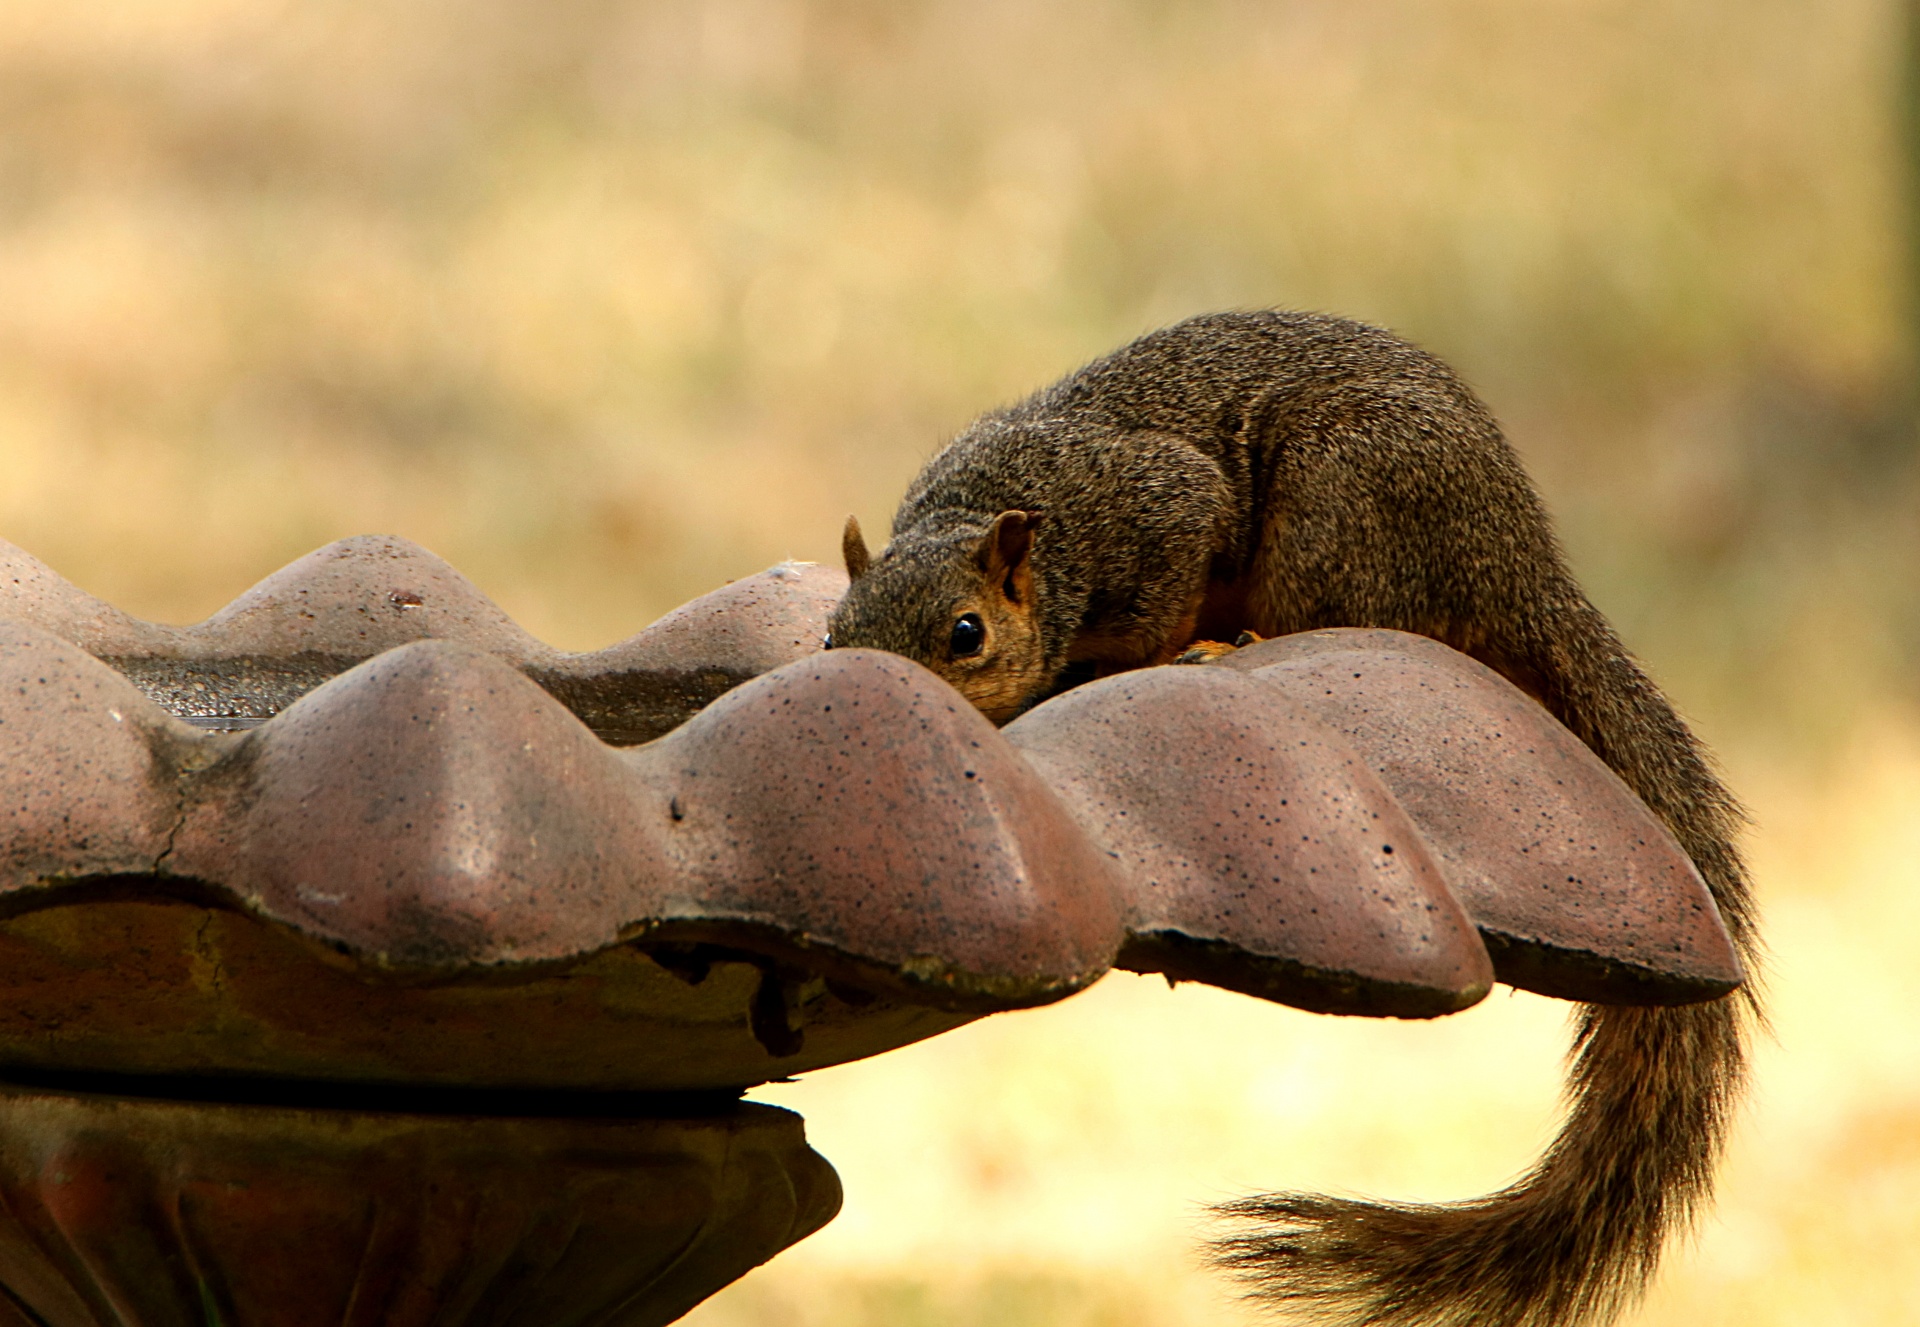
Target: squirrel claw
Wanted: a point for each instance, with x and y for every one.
(1204, 651)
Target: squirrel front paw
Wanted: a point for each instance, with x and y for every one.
(1206, 651)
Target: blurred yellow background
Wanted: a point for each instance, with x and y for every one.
(610, 302)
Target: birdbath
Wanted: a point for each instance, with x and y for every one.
(365, 960)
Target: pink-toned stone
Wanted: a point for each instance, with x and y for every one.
(1260, 853)
(87, 776)
(1581, 892)
(859, 805)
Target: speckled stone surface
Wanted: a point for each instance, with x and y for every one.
(428, 858)
(1579, 891)
(1263, 854)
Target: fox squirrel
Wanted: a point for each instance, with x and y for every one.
(1278, 472)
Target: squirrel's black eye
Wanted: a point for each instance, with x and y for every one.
(968, 635)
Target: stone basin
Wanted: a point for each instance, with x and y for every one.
(359, 849)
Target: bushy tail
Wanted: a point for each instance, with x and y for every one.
(1573, 1241)
(1652, 1092)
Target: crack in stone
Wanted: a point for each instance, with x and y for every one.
(179, 820)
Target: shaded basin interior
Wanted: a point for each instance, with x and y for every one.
(352, 600)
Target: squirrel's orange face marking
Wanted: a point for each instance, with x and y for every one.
(993, 656)
(961, 606)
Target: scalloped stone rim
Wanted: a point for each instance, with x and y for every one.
(819, 857)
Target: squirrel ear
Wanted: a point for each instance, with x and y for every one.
(1004, 551)
(853, 548)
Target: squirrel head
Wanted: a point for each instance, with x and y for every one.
(959, 603)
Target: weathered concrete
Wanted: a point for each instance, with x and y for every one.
(425, 869)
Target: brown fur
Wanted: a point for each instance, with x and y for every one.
(1279, 472)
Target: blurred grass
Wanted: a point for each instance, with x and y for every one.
(607, 303)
